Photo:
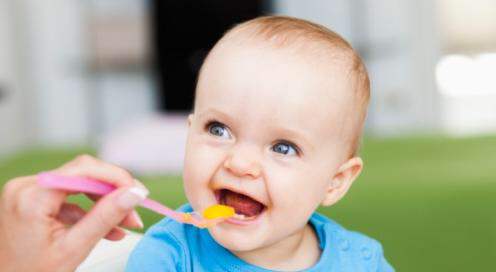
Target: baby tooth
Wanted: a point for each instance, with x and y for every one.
(239, 216)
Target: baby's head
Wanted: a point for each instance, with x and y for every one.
(277, 121)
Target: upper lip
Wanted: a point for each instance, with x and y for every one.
(230, 188)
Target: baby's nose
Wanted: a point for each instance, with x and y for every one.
(244, 160)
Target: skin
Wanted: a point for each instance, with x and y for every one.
(39, 231)
(276, 136)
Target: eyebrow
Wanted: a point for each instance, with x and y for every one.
(213, 112)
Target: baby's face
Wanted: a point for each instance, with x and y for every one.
(266, 138)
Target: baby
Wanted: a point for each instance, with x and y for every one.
(278, 116)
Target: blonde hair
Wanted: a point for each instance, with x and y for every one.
(283, 31)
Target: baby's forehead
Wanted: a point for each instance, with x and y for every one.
(314, 48)
(329, 63)
(287, 65)
(319, 72)
(240, 77)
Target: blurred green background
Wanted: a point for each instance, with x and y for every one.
(429, 200)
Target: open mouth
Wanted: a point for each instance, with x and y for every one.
(246, 208)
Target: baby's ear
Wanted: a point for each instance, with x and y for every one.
(190, 119)
(341, 182)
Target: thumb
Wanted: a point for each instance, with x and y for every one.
(106, 214)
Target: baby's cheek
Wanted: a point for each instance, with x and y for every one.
(298, 198)
(200, 165)
(192, 176)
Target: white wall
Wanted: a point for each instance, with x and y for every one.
(469, 115)
(69, 93)
(467, 72)
(55, 47)
(403, 35)
(125, 98)
(14, 106)
(335, 14)
(44, 63)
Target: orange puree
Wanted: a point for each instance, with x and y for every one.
(218, 211)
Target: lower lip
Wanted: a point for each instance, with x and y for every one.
(244, 222)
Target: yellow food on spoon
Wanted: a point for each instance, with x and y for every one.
(218, 211)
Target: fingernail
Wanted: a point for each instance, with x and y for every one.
(132, 197)
(139, 183)
(135, 216)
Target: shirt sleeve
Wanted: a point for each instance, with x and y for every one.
(162, 253)
(367, 253)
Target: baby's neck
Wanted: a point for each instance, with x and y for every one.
(297, 252)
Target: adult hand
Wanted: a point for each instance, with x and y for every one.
(34, 222)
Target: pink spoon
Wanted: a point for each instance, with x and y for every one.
(92, 186)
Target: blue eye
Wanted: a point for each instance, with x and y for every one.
(285, 149)
(218, 129)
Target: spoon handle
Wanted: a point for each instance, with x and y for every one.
(92, 186)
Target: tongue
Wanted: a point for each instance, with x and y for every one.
(242, 204)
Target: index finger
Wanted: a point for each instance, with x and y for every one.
(91, 167)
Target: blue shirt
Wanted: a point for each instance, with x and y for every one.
(172, 246)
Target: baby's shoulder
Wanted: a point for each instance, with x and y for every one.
(163, 241)
(347, 238)
(361, 246)
(350, 248)
(164, 245)
(167, 230)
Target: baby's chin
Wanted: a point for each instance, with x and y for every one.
(235, 241)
